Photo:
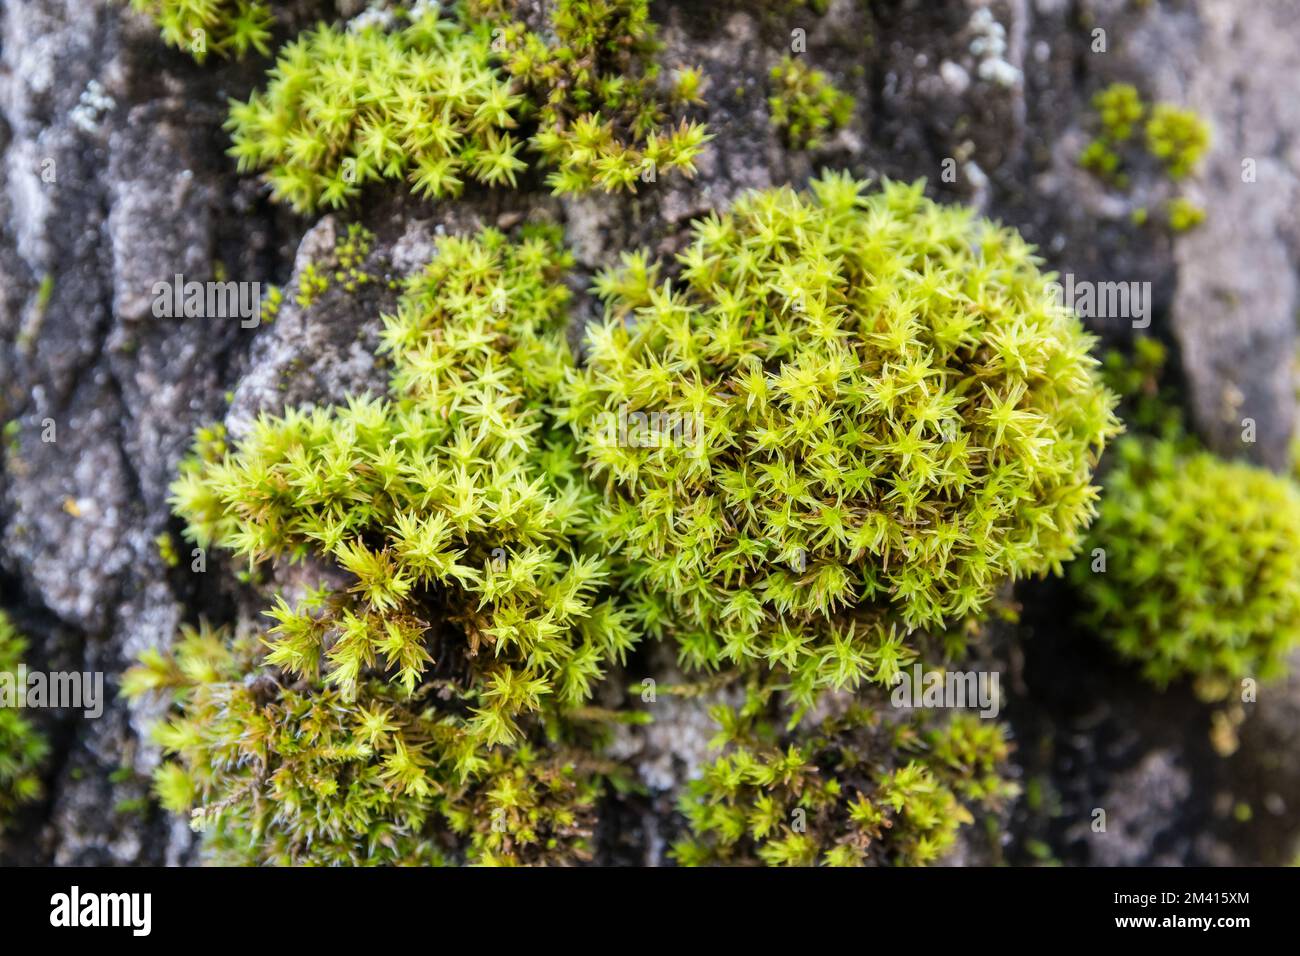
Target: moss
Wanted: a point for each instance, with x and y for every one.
(305, 775)
(22, 747)
(346, 268)
(890, 417)
(440, 100)
(1120, 109)
(593, 83)
(456, 483)
(526, 810)
(227, 27)
(283, 775)
(805, 104)
(11, 435)
(345, 108)
(45, 292)
(1184, 214)
(476, 611)
(167, 550)
(819, 7)
(312, 284)
(272, 304)
(856, 790)
(1202, 566)
(210, 445)
(1178, 138)
(688, 86)
(872, 414)
(1101, 159)
(1148, 406)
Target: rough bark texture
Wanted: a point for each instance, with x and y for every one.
(102, 194)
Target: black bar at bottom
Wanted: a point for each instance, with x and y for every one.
(586, 909)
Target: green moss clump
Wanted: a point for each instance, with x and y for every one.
(857, 790)
(1178, 138)
(805, 104)
(593, 81)
(457, 490)
(1147, 405)
(295, 775)
(10, 435)
(229, 27)
(1184, 214)
(474, 605)
(424, 102)
(271, 304)
(1100, 159)
(345, 108)
(167, 550)
(526, 811)
(348, 270)
(1120, 108)
(22, 746)
(876, 414)
(284, 775)
(1202, 566)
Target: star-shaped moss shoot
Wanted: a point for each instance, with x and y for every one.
(200, 27)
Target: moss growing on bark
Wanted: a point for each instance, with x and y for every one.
(441, 99)
(596, 87)
(850, 415)
(22, 746)
(1194, 566)
(459, 602)
(1179, 138)
(200, 27)
(304, 774)
(344, 108)
(858, 789)
(806, 106)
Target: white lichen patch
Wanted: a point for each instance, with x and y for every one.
(989, 46)
(92, 106)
